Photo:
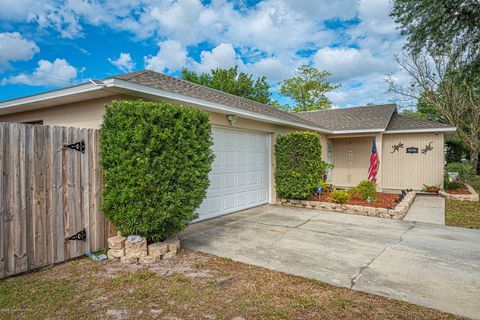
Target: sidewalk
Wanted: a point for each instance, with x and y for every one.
(426, 208)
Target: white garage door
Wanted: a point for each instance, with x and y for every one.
(240, 173)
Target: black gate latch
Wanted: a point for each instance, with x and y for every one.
(78, 146)
(81, 235)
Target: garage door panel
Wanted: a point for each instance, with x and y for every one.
(239, 178)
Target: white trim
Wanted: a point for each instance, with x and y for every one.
(270, 168)
(450, 129)
(212, 105)
(357, 131)
(51, 95)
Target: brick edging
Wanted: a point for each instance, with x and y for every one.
(398, 213)
(473, 196)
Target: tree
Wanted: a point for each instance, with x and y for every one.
(437, 25)
(439, 81)
(231, 81)
(308, 87)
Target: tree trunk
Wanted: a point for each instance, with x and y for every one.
(474, 159)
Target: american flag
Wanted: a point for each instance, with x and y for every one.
(374, 164)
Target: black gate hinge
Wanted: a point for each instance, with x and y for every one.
(78, 146)
(81, 235)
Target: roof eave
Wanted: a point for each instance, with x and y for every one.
(208, 105)
(446, 129)
(358, 131)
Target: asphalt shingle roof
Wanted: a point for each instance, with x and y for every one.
(402, 122)
(163, 82)
(356, 118)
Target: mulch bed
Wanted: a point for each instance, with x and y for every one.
(384, 200)
(462, 190)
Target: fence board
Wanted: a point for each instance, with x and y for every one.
(48, 193)
(2, 207)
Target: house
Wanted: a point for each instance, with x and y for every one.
(411, 151)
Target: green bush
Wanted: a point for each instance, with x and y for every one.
(452, 185)
(466, 171)
(366, 189)
(299, 167)
(340, 196)
(156, 158)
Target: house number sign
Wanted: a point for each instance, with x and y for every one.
(412, 150)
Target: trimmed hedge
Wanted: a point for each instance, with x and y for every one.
(156, 158)
(299, 167)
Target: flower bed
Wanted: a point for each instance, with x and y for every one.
(373, 209)
(465, 193)
(383, 200)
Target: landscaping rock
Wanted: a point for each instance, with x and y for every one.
(136, 254)
(173, 244)
(157, 249)
(116, 242)
(112, 258)
(148, 260)
(116, 253)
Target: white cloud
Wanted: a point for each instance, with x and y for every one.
(14, 47)
(124, 62)
(222, 56)
(349, 63)
(56, 73)
(171, 56)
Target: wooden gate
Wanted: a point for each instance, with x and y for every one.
(48, 193)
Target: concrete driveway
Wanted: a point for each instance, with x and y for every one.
(426, 264)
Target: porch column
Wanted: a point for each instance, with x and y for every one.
(379, 142)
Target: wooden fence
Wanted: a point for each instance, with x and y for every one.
(47, 194)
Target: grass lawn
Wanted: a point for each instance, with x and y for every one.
(463, 213)
(191, 286)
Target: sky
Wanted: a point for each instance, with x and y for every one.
(49, 44)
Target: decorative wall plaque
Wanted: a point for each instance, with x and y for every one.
(412, 150)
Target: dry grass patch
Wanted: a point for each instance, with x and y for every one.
(192, 286)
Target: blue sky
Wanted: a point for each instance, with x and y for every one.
(47, 44)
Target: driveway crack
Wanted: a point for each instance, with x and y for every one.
(357, 276)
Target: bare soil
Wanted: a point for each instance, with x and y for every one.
(191, 286)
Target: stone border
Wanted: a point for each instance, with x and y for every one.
(120, 249)
(473, 196)
(398, 213)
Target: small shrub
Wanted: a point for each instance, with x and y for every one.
(340, 196)
(156, 158)
(366, 189)
(466, 171)
(299, 167)
(452, 185)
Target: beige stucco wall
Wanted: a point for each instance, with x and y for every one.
(351, 158)
(89, 114)
(402, 170)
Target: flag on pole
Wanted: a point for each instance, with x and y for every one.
(374, 164)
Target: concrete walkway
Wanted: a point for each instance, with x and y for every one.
(425, 264)
(427, 208)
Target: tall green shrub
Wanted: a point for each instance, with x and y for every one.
(299, 166)
(156, 158)
(466, 171)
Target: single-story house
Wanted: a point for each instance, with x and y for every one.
(411, 151)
